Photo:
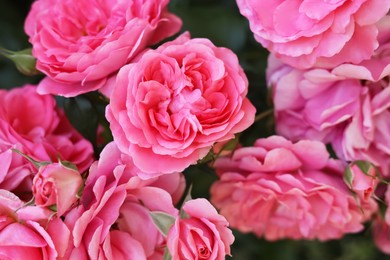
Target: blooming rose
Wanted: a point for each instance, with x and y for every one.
(55, 184)
(113, 220)
(278, 189)
(32, 124)
(27, 233)
(203, 235)
(80, 46)
(168, 109)
(307, 33)
(347, 106)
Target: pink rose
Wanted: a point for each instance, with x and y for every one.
(26, 233)
(362, 183)
(115, 209)
(348, 106)
(171, 106)
(32, 124)
(203, 235)
(381, 234)
(56, 185)
(80, 46)
(278, 189)
(307, 33)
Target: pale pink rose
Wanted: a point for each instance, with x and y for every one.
(279, 189)
(56, 185)
(204, 234)
(32, 124)
(363, 184)
(168, 109)
(27, 232)
(347, 106)
(116, 203)
(307, 33)
(80, 46)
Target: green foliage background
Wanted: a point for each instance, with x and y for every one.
(221, 22)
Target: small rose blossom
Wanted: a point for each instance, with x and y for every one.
(363, 184)
(203, 235)
(279, 189)
(79, 47)
(55, 184)
(321, 33)
(170, 108)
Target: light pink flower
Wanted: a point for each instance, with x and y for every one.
(347, 106)
(278, 189)
(56, 185)
(362, 183)
(168, 109)
(203, 235)
(27, 232)
(32, 124)
(115, 209)
(80, 46)
(307, 33)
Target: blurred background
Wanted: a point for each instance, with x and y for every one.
(221, 22)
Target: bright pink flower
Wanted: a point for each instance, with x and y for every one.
(307, 33)
(34, 125)
(168, 109)
(56, 185)
(82, 45)
(27, 232)
(278, 190)
(203, 235)
(116, 204)
(348, 106)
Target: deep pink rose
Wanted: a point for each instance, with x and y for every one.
(168, 109)
(82, 45)
(56, 185)
(32, 124)
(116, 203)
(307, 33)
(278, 189)
(348, 106)
(203, 235)
(29, 232)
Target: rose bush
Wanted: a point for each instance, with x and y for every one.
(32, 124)
(278, 189)
(176, 102)
(78, 47)
(203, 235)
(307, 33)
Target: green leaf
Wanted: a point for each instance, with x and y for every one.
(364, 166)
(348, 176)
(36, 163)
(24, 61)
(163, 221)
(68, 165)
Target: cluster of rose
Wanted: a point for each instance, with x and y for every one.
(182, 103)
